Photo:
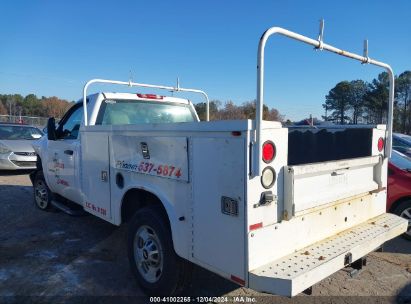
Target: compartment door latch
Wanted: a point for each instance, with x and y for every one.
(266, 199)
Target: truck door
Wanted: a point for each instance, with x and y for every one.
(63, 156)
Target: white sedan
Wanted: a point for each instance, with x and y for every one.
(16, 150)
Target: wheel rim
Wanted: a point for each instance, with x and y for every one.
(148, 254)
(41, 194)
(406, 213)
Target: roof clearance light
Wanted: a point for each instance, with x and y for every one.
(380, 144)
(268, 151)
(150, 96)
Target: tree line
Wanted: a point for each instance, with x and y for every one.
(31, 105)
(357, 101)
(349, 102)
(229, 110)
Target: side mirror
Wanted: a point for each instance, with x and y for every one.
(51, 129)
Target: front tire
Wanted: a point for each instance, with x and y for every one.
(404, 210)
(153, 261)
(42, 193)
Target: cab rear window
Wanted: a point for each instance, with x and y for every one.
(124, 112)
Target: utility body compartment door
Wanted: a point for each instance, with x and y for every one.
(219, 204)
(164, 157)
(95, 174)
(313, 185)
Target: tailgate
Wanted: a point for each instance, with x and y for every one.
(313, 185)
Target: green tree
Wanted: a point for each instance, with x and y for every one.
(376, 99)
(403, 97)
(11, 102)
(358, 89)
(274, 115)
(249, 109)
(32, 106)
(338, 101)
(231, 111)
(201, 109)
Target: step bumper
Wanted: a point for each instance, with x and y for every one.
(296, 272)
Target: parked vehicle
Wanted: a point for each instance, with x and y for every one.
(402, 143)
(16, 150)
(271, 208)
(399, 188)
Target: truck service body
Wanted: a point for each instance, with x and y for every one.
(244, 199)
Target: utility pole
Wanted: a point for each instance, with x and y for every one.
(20, 119)
(10, 102)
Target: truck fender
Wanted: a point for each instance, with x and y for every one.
(177, 229)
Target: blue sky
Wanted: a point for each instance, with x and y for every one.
(51, 48)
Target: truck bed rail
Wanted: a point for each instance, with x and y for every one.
(320, 45)
(135, 84)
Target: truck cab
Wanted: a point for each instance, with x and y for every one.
(61, 156)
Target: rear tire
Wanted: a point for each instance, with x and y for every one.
(153, 261)
(42, 193)
(404, 210)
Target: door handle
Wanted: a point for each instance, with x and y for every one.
(69, 152)
(337, 173)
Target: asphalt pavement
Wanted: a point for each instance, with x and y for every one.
(54, 257)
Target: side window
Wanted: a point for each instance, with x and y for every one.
(71, 126)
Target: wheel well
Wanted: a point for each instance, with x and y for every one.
(39, 165)
(135, 199)
(399, 201)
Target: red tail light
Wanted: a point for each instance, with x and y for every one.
(268, 151)
(150, 96)
(380, 144)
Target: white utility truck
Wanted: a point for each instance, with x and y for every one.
(271, 208)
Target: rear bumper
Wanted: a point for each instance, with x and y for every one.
(292, 274)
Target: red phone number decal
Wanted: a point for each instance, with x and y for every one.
(150, 168)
